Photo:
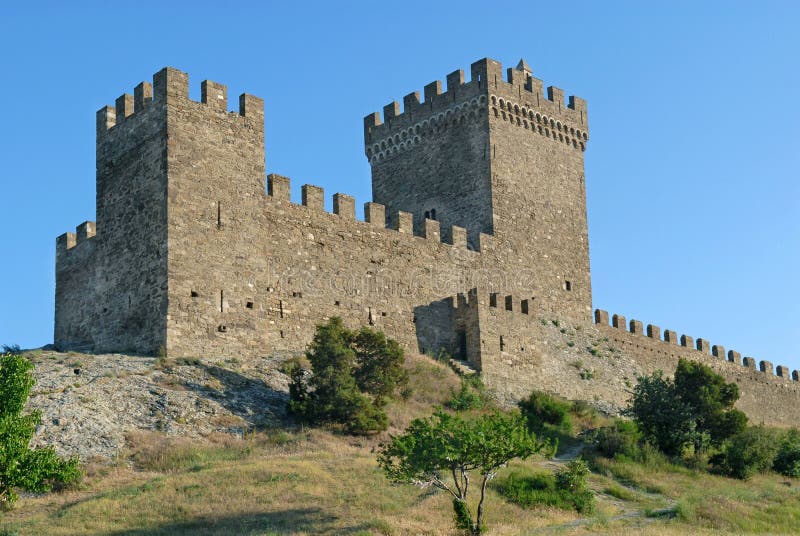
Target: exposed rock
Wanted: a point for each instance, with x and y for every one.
(88, 414)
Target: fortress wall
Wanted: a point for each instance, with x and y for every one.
(764, 396)
(115, 298)
(277, 269)
(76, 263)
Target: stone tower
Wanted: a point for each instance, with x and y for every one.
(498, 157)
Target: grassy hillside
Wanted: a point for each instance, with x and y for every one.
(308, 481)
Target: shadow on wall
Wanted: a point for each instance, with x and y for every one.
(435, 327)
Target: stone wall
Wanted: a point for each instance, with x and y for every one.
(191, 256)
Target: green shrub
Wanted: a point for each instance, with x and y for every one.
(622, 438)
(751, 451)
(547, 489)
(466, 398)
(540, 408)
(35, 470)
(352, 375)
(787, 461)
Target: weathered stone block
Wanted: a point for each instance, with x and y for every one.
(313, 197)
(654, 332)
(703, 345)
(734, 357)
(749, 362)
(718, 351)
(636, 327)
(601, 317)
(687, 341)
(670, 336)
(278, 187)
(618, 321)
(344, 206)
(375, 214)
(766, 366)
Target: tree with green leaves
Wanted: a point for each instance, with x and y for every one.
(696, 409)
(352, 374)
(35, 470)
(443, 450)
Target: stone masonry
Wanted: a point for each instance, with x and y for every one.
(476, 238)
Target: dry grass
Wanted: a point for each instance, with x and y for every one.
(305, 482)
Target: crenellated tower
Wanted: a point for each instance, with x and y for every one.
(498, 156)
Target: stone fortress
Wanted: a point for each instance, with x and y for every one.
(475, 242)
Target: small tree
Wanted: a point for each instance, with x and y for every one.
(433, 451)
(665, 420)
(34, 470)
(695, 409)
(344, 366)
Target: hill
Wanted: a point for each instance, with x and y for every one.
(204, 447)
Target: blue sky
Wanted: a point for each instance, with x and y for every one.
(691, 169)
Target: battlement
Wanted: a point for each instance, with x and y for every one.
(171, 85)
(84, 232)
(699, 345)
(520, 94)
(375, 217)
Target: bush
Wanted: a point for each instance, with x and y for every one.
(567, 489)
(34, 470)
(622, 438)
(540, 408)
(751, 451)
(352, 375)
(787, 461)
(468, 397)
(693, 412)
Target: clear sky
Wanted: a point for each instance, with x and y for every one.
(692, 167)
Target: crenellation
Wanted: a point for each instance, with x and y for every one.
(404, 222)
(796, 375)
(65, 242)
(142, 96)
(390, 111)
(106, 118)
(766, 366)
(734, 357)
(718, 351)
(170, 83)
(278, 187)
(749, 362)
(313, 197)
(252, 108)
(344, 205)
(214, 95)
(375, 214)
(123, 107)
(782, 371)
(454, 82)
(200, 260)
(431, 92)
(458, 236)
(85, 231)
(556, 96)
(654, 332)
(430, 230)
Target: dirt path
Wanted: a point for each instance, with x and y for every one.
(645, 515)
